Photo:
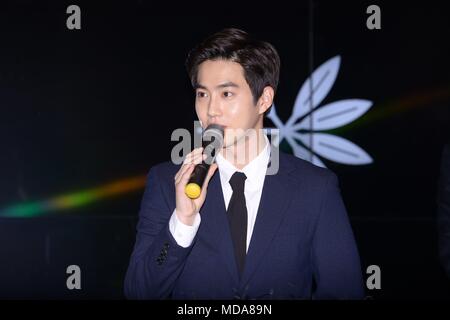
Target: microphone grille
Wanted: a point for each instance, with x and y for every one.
(212, 140)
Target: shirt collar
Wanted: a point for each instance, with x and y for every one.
(255, 170)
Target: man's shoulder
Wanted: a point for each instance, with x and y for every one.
(164, 169)
(295, 167)
(301, 169)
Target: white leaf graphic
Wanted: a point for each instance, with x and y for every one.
(298, 150)
(338, 149)
(313, 146)
(335, 114)
(272, 115)
(303, 153)
(314, 91)
(304, 138)
(318, 162)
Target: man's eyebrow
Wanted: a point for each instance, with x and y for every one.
(199, 86)
(227, 84)
(222, 85)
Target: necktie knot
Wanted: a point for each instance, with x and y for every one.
(237, 181)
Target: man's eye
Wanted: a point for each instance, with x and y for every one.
(227, 94)
(201, 94)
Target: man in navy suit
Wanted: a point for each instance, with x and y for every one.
(250, 235)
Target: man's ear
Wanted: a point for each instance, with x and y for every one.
(266, 99)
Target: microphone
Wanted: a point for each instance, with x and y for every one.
(212, 142)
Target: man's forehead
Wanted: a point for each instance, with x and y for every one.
(219, 74)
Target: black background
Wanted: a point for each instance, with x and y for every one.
(82, 108)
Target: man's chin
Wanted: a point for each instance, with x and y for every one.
(234, 142)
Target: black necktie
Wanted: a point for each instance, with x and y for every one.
(237, 218)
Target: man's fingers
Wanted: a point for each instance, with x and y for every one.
(180, 172)
(188, 168)
(211, 171)
(185, 177)
(192, 154)
(193, 157)
(197, 160)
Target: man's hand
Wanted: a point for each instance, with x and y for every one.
(186, 208)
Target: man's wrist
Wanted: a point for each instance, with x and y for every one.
(183, 233)
(187, 220)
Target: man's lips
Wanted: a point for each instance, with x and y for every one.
(223, 126)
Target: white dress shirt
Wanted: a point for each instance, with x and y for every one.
(255, 171)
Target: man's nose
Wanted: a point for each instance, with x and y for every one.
(214, 108)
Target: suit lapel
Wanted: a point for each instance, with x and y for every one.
(217, 226)
(276, 196)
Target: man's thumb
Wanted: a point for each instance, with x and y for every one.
(211, 171)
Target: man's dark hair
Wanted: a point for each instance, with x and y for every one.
(259, 59)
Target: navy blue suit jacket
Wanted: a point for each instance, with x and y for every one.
(302, 246)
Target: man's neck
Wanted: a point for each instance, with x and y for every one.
(245, 150)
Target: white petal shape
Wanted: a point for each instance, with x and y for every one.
(304, 138)
(302, 153)
(318, 162)
(335, 114)
(298, 150)
(338, 149)
(315, 88)
(272, 115)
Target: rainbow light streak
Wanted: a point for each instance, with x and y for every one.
(409, 103)
(81, 198)
(76, 199)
